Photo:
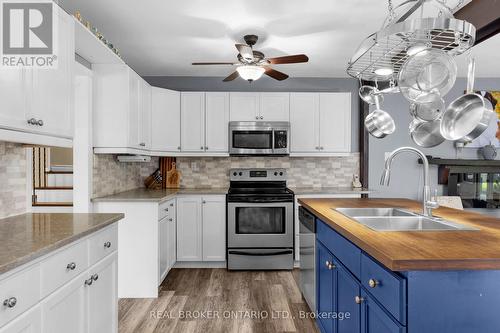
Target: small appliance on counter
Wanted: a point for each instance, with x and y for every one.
(260, 217)
(259, 138)
(307, 240)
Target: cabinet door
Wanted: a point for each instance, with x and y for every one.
(134, 138)
(326, 279)
(189, 233)
(66, 310)
(345, 292)
(13, 95)
(216, 121)
(193, 121)
(163, 248)
(274, 107)
(374, 319)
(166, 120)
(28, 322)
(171, 243)
(244, 106)
(103, 296)
(52, 89)
(335, 122)
(214, 228)
(304, 122)
(145, 115)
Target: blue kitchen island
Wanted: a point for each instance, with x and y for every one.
(406, 281)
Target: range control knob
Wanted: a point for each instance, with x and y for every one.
(281, 173)
(234, 173)
(275, 173)
(241, 173)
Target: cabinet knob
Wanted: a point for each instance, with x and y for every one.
(201, 147)
(204, 202)
(372, 283)
(95, 277)
(317, 148)
(170, 219)
(107, 244)
(321, 148)
(261, 117)
(89, 281)
(358, 299)
(206, 147)
(171, 205)
(329, 265)
(32, 121)
(71, 266)
(142, 144)
(256, 117)
(10, 302)
(166, 209)
(40, 122)
(179, 148)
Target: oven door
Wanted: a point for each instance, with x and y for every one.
(260, 225)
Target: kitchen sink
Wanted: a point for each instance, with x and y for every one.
(394, 219)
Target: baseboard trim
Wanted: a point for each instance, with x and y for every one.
(200, 264)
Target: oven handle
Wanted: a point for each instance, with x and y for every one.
(244, 253)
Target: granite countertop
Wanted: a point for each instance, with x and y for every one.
(417, 250)
(144, 194)
(28, 236)
(329, 190)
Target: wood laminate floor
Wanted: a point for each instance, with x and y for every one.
(216, 300)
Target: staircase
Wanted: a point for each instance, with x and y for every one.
(52, 185)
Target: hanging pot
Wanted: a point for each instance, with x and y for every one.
(428, 111)
(379, 123)
(426, 134)
(370, 95)
(468, 116)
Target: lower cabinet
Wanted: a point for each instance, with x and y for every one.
(374, 318)
(201, 228)
(167, 246)
(28, 322)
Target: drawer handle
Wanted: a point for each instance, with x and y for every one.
(373, 283)
(107, 245)
(89, 281)
(10, 302)
(359, 299)
(71, 266)
(329, 265)
(95, 277)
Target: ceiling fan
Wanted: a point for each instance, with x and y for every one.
(252, 64)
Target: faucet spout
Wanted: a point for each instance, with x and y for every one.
(427, 204)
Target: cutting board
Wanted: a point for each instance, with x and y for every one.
(173, 177)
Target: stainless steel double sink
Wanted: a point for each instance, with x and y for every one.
(395, 219)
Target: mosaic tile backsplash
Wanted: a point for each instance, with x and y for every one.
(12, 179)
(111, 176)
(302, 171)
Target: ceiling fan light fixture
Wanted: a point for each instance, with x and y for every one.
(250, 72)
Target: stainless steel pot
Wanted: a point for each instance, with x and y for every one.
(468, 116)
(426, 134)
(379, 123)
(428, 111)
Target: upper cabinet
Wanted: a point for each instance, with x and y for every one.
(122, 108)
(166, 120)
(204, 122)
(40, 101)
(320, 123)
(259, 106)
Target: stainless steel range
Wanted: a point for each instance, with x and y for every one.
(260, 224)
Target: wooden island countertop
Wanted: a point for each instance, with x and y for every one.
(417, 250)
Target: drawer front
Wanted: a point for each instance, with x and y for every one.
(63, 266)
(167, 209)
(386, 287)
(103, 243)
(21, 291)
(348, 253)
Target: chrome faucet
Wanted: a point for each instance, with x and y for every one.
(427, 203)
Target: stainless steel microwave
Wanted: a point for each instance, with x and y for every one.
(259, 138)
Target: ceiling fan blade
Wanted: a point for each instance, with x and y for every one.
(277, 75)
(292, 59)
(245, 51)
(231, 77)
(213, 63)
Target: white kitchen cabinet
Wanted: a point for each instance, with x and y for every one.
(171, 242)
(274, 106)
(122, 108)
(320, 123)
(66, 310)
(214, 228)
(28, 322)
(162, 248)
(216, 121)
(166, 120)
(193, 121)
(13, 86)
(189, 229)
(102, 297)
(244, 106)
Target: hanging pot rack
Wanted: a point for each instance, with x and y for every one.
(388, 48)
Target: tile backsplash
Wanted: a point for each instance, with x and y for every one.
(302, 171)
(13, 194)
(111, 176)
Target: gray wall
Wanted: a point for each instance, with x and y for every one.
(190, 83)
(406, 177)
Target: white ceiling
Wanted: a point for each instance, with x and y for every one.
(164, 37)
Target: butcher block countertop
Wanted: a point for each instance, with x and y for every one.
(417, 250)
